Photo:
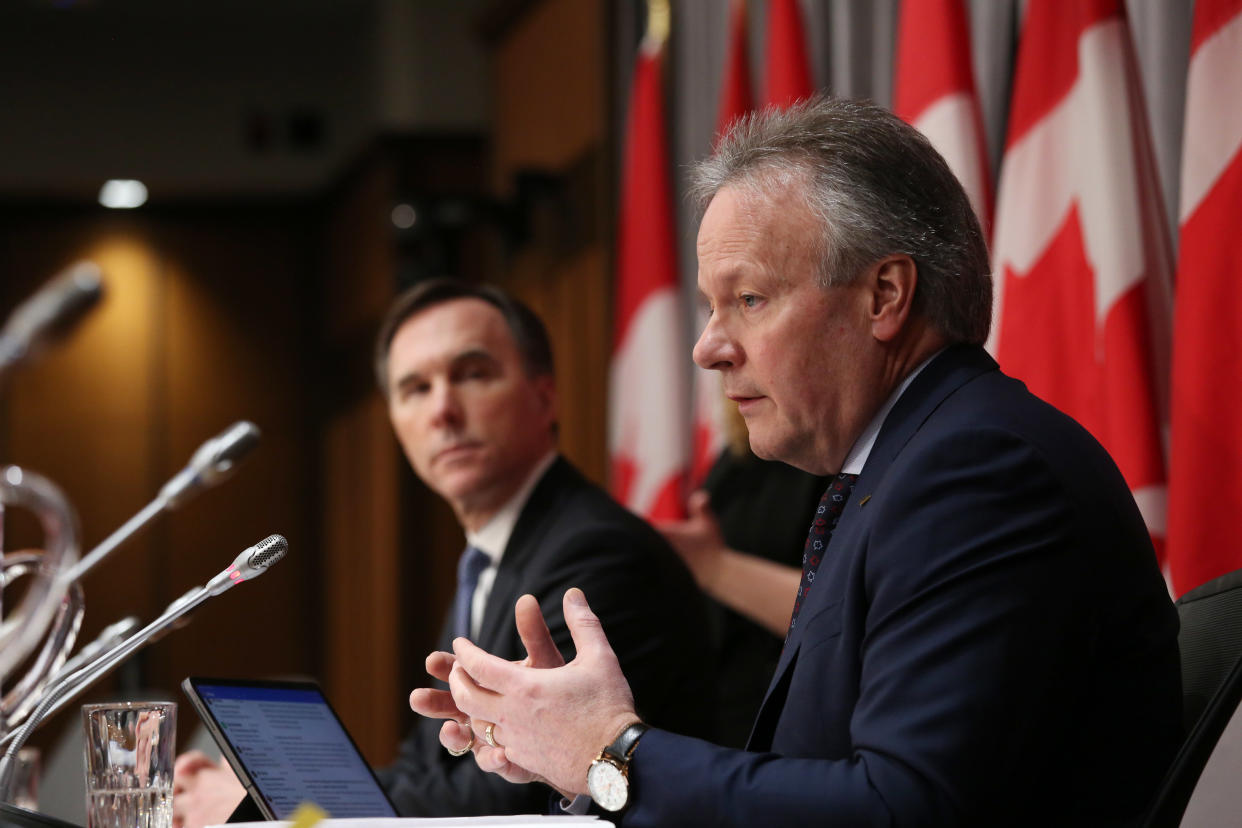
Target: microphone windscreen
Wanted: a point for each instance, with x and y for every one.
(267, 552)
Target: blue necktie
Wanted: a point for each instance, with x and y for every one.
(472, 563)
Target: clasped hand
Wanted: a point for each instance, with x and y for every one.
(549, 718)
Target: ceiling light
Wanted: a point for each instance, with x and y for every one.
(404, 216)
(123, 193)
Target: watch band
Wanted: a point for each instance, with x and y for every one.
(624, 744)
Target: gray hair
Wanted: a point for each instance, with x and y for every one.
(878, 188)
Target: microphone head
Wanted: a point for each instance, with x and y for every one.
(232, 445)
(220, 455)
(263, 554)
(212, 462)
(52, 311)
(251, 563)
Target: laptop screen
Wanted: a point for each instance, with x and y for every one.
(290, 746)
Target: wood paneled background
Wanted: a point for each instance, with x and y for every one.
(267, 312)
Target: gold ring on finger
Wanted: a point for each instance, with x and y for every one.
(464, 750)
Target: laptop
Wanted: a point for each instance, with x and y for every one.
(287, 746)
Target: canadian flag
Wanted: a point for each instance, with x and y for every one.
(735, 101)
(649, 383)
(1081, 259)
(935, 92)
(1205, 470)
(788, 67)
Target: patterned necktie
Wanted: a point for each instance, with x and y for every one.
(472, 563)
(831, 505)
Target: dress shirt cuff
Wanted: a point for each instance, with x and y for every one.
(580, 805)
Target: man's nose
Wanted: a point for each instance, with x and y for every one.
(446, 405)
(715, 350)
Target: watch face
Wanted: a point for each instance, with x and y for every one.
(608, 785)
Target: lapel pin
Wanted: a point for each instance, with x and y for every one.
(863, 502)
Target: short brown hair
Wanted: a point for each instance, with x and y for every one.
(527, 329)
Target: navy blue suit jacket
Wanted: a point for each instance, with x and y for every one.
(988, 640)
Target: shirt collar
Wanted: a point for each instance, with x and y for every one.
(861, 450)
(493, 536)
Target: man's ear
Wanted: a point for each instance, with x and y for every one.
(545, 387)
(892, 281)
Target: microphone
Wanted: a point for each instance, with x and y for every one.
(214, 461)
(112, 635)
(50, 314)
(251, 563)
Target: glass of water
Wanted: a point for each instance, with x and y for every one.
(130, 748)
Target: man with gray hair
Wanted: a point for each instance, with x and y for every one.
(981, 635)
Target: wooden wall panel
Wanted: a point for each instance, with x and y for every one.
(550, 99)
(200, 326)
(234, 350)
(551, 115)
(358, 465)
(362, 577)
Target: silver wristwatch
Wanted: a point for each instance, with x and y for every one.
(608, 778)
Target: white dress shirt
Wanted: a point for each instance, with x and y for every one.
(492, 538)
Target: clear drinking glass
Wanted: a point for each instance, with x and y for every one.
(130, 748)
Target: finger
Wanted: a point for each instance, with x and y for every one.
(474, 701)
(438, 665)
(455, 736)
(435, 704)
(699, 504)
(481, 728)
(584, 625)
(536, 638)
(483, 668)
(496, 760)
(492, 760)
(191, 762)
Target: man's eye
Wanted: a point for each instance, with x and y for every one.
(749, 300)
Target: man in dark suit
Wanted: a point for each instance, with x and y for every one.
(981, 637)
(468, 376)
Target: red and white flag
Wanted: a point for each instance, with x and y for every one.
(736, 100)
(788, 67)
(1205, 471)
(1081, 259)
(649, 383)
(935, 92)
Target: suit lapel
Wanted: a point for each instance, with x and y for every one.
(523, 544)
(943, 375)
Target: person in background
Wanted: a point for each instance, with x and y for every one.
(468, 376)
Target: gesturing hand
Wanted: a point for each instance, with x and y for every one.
(548, 723)
(457, 734)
